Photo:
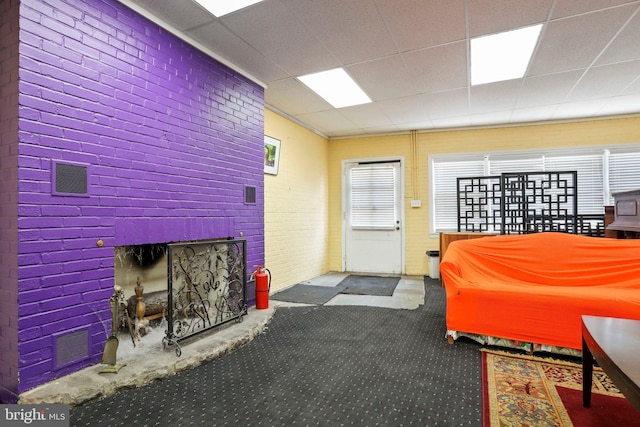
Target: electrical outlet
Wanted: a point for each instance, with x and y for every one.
(416, 203)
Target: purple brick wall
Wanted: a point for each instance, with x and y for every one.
(8, 199)
(169, 138)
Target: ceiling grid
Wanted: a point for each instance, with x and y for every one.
(412, 58)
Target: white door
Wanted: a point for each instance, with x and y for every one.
(373, 236)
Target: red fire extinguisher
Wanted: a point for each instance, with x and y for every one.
(263, 285)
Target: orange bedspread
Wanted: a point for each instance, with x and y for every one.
(534, 288)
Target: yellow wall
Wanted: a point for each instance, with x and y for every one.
(295, 207)
(598, 132)
(303, 204)
(364, 148)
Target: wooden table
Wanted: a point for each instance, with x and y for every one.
(615, 345)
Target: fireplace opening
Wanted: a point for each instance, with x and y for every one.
(144, 262)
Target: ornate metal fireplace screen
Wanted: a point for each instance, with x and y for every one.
(527, 202)
(207, 285)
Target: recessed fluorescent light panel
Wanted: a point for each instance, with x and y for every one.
(336, 87)
(223, 7)
(502, 56)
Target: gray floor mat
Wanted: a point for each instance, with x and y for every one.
(369, 285)
(307, 294)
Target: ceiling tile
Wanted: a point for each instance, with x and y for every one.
(405, 110)
(633, 87)
(490, 119)
(626, 104)
(384, 78)
(494, 16)
(421, 124)
(599, 82)
(571, 43)
(447, 104)
(416, 24)
(438, 68)
(355, 32)
(378, 130)
(366, 116)
(577, 110)
(547, 89)
(331, 122)
(533, 114)
(492, 97)
(275, 31)
(181, 15)
(228, 45)
(293, 97)
(625, 46)
(451, 122)
(564, 8)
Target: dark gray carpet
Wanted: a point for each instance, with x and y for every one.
(307, 294)
(319, 366)
(369, 285)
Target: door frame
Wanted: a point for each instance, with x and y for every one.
(343, 212)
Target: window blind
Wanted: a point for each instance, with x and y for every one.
(373, 195)
(445, 193)
(618, 170)
(499, 166)
(590, 179)
(624, 172)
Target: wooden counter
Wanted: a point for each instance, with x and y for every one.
(447, 237)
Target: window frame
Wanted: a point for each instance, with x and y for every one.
(515, 159)
(370, 208)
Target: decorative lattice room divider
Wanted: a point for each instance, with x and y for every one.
(524, 202)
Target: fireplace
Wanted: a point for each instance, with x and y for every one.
(195, 286)
(99, 178)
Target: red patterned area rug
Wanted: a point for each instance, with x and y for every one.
(531, 391)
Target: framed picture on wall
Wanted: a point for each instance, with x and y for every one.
(271, 155)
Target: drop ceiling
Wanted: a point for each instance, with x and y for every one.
(412, 58)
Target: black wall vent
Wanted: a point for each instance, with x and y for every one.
(71, 347)
(250, 195)
(71, 179)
